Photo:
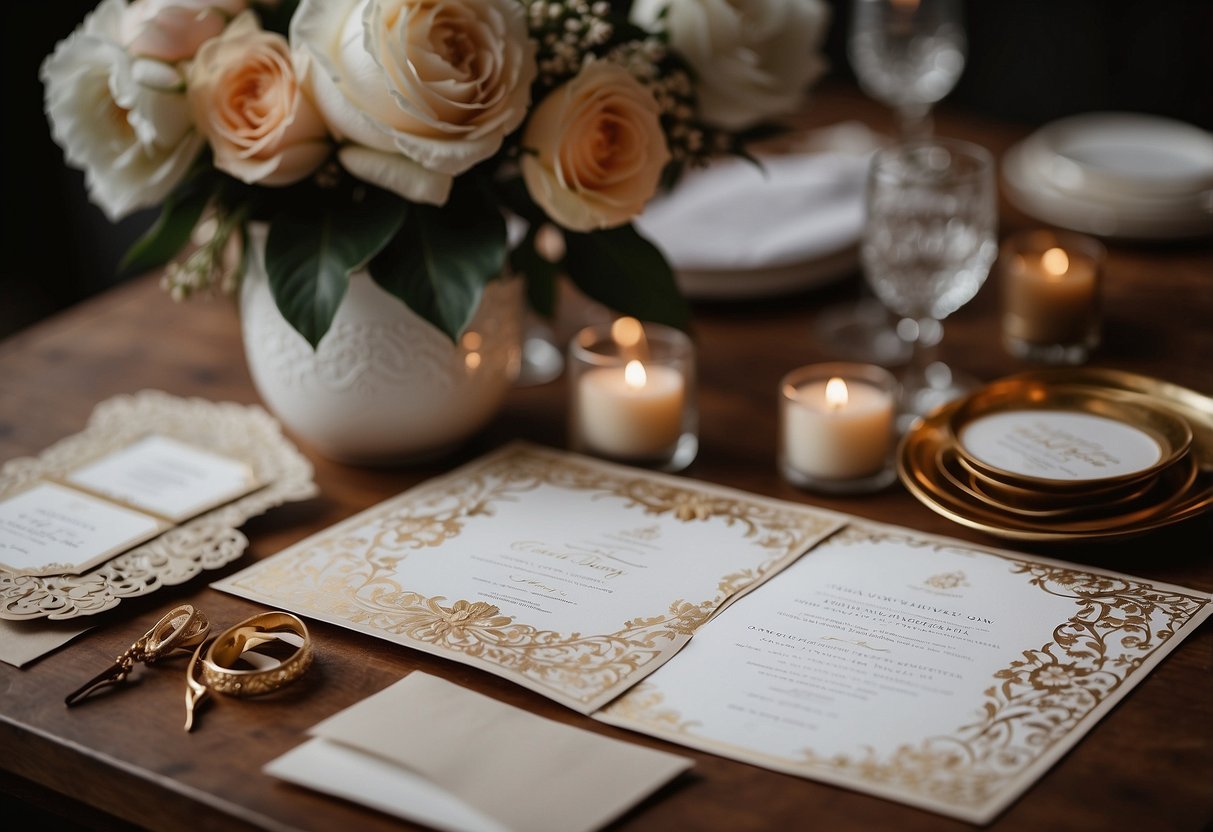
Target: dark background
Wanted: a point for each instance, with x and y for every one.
(1029, 61)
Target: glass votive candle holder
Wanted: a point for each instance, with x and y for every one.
(632, 394)
(837, 427)
(1051, 296)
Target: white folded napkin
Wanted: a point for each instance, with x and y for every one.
(795, 208)
(430, 751)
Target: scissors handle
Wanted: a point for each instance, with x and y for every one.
(181, 629)
(112, 675)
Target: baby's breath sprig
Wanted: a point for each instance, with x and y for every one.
(568, 33)
(212, 267)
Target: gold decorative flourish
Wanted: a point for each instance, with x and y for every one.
(352, 580)
(1037, 699)
(643, 704)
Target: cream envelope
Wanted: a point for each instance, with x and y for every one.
(433, 752)
(23, 641)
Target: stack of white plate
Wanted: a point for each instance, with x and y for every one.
(1116, 175)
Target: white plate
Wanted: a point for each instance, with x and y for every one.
(1032, 185)
(1124, 156)
(768, 282)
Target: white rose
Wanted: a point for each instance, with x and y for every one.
(124, 121)
(247, 102)
(594, 149)
(754, 58)
(419, 90)
(172, 30)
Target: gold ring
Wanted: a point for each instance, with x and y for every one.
(183, 628)
(220, 674)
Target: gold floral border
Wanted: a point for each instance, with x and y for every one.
(356, 583)
(1033, 704)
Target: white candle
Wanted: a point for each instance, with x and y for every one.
(1051, 298)
(837, 429)
(631, 412)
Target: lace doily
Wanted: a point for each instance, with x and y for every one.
(208, 541)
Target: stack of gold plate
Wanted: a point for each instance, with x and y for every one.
(1062, 455)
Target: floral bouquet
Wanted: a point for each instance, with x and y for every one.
(396, 135)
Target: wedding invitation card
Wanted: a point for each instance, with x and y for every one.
(570, 576)
(918, 669)
(103, 508)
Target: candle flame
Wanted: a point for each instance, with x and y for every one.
(1055, 262)
(836, 393)
(627, 332)
(634, 375)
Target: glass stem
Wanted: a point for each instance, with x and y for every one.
(914, 121)
(923, 336)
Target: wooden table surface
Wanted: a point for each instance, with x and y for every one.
(1148, 765)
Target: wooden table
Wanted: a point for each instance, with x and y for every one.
(1148, 765)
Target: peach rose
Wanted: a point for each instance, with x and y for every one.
(594, 149)
(172, 30)
(248, 103)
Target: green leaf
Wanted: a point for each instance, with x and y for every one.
(540, 274)
(626, 272)
(171, 231)
(309, 257)
(442, 258)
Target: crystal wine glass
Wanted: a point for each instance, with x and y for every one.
(928, 244)
(908, 54)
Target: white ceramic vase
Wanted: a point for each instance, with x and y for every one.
(384, 386)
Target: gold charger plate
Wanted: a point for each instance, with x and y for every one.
(1169, 431)
(918, 469)
(1150, 495)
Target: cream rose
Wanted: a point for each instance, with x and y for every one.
(172, 30)
(418, 90)
(124, 121)
(247, 102)
(754, 58)
(593, 150)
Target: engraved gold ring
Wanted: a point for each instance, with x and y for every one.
(218, 664)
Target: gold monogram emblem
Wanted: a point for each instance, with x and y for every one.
(947, 580)
(646, 534)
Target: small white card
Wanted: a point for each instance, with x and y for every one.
(51, 529)
(1058, 445)
(166, 477)
(114, 503)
